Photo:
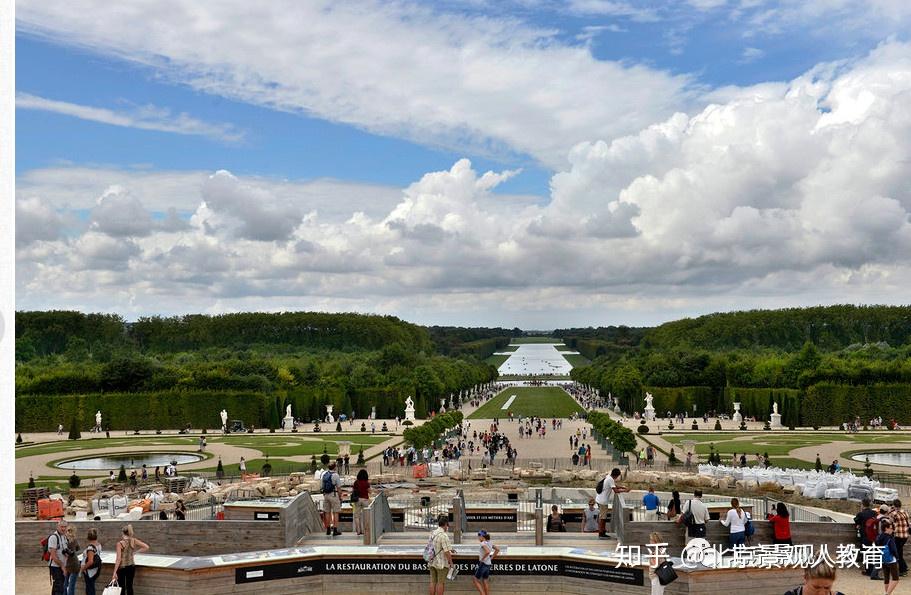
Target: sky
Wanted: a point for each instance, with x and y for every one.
(530, 163)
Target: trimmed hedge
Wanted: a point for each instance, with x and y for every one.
(758, 402)
(832, 404)
(681, 399)
(430, 431)
(622, 438)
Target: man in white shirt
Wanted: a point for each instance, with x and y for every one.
(700, 516)
(606, 497)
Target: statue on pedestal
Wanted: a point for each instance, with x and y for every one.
(224, 420)
(409, 409)
(329, 418)
(775, 408)
(98, 421)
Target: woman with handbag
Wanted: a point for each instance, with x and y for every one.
(72, 561)
(736, 519)
(360, 498)
(658, 573)
(555, 523)
(673, 506)
(125, 564)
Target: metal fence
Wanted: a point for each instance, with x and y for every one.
(379, 518)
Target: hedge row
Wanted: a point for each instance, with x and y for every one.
(620, 437)
(200, 409)
(832, 404)
(429, 432)
(681, 399)
(758, 402)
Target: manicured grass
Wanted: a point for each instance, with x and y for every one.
(289, 446)
(91, 443)
(577, 360)
(508, 348)
(496, 360)
(563, 348)
(543, 401)
(530, 340)
(777, 445)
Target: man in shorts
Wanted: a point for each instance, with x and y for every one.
(332, 499)
(442, 556)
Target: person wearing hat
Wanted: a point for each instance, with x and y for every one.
(486, 555)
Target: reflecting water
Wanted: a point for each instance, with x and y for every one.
(897, 458)
(536, 358)
(133, 460)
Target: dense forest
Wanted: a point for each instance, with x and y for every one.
(858, 355)
(154, 372)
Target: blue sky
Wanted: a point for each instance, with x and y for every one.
(649, 159)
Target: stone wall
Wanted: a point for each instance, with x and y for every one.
(178, 538)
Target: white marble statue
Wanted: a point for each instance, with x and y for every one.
(409, 404)
(224, 419)
(737, 416)
(409, 409)
(288, 410)
(775, 408)
(98, 421)
(329, 418)
(648, 401)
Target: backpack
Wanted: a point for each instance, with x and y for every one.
(600, 487)
(96, 559)
(328, 486)
(430, 551)
(45, 554)
(888, 558)
(871, 528)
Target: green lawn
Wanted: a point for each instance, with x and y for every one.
(529, 340)
(543, 401)
(577, 360)
(496, 360)
(289, 446)
(563, 348)
(508, 348)
(84, 444)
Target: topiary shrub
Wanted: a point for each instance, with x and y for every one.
(363, 427)
(267, 468)
(75, 434)
(31, 481)
(407, 422)
(670, 426)
(18, 438)
(743, 425)
(360, 457)
(791, 427)
(767, 426)
(672, 458)
(384, 428)
(271, 430)
(316, 427)
(717, 425)
(338, 426)
(204, 431)
(643, 429)
(220, 470)
(74, 480)
(122, 476)
(695, 426)
(158, 432)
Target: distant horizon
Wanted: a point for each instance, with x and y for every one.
(532, 331)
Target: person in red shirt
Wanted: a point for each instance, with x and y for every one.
(781, 524)
(362, 488)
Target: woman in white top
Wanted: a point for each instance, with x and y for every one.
(736, 519)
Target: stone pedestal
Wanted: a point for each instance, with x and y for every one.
(737, 417)
(288, 424)
(409, 413)
(776, 421)
(649, 414)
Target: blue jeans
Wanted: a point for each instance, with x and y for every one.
(738, 538)
(90, 582)
(70, 584)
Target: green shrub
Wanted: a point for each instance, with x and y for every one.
(18, 438)
(122, 476)
(717, 425)
(75, 434)
(74, 480)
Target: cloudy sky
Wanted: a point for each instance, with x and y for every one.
(532, 163)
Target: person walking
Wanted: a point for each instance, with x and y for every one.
(655, 559)
(700, 516)
(441, 561)
(91, 566)
(71, 567)
(605, 497)
(125, 563)
(56, 548)
(736, 519)
(242, 466)
(360, 498)
(886, 541)
(332, 500)
(487, 553)
(651, 501)
(900, 522)
(781, 524)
